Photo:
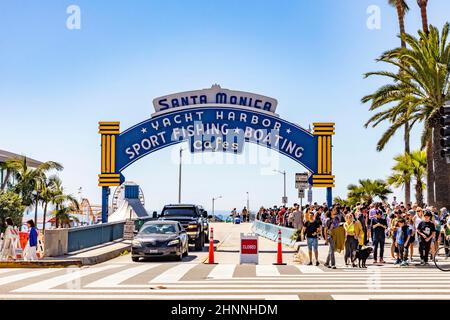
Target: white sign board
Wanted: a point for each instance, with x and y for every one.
(301, 185)
(249, 248)
(302, 177)
(215, 95)
(128, 230)
(301, 193)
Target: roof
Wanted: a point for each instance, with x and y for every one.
(6, 155)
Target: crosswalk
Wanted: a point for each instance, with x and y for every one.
(223, 281)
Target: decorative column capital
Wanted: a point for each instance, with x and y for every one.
(323, 128)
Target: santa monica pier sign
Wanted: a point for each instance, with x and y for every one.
(214, 120)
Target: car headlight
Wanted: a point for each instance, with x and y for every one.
(173, 242)
(136, 243)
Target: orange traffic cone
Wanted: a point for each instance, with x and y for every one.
(211, 247)
(279, 251)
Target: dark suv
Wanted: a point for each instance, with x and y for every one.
(193, 218)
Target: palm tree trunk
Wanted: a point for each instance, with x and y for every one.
(441, 171)
(407, 150)
(45, 216)
(423, 11)
(401, 20)
(401, 23)
(419, 193)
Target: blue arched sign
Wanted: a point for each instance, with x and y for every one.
(215, 120)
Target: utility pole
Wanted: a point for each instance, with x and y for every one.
(284, 200)
(179, 176)
(214, 199)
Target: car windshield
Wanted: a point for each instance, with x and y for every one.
(158, 229)
(179, 212)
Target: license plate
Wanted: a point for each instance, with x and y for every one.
(153, 251)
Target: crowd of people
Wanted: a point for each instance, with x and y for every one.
(9, 242)
(406, 227)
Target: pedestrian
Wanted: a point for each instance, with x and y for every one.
(312, 230)
(8, 250)
(351, 239)
(31, 248)
(233, 214)
(426, 231)
(402, 237)
(332, 222)
(378, 226)
(245, 215)
(392, 231)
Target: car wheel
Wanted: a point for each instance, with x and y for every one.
(135, 259)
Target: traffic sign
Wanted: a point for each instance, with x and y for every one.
(249, 248)
(301, 193)
(284, 200)
(302, 177)
(301, 185)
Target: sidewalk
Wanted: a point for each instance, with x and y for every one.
(85, 257)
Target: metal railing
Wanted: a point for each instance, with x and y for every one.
(270, 231)
(90, 236)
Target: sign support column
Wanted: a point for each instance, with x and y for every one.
(108, 176)
(324, 177)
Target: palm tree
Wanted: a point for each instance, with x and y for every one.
(423, 11)
(367, 190)
(418, 91)
(63, 216)
(410, 166)
(419, 170)
(402, 9)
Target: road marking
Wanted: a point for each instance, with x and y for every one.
(71, 275)
(149, 297)
(23, 276)
(309, 269)
(206, 290)
(119, 277)
(222, 271)
(391, 297)
(267, 270)
(173, 274)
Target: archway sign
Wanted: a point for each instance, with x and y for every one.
(213, 120)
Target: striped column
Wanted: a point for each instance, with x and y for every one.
(108, 176)
(324, 178)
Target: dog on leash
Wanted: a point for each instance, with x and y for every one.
(362, 255)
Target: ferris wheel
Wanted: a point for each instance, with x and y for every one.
(119, 195)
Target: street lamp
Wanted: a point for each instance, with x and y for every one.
(214, 199)
(284, 200)
(179, 176)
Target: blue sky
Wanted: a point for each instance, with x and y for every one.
(56, 83)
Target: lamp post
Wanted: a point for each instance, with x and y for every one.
(284, 200)
(179, 176)
(214, 199)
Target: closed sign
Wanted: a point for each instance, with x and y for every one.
(249, 246)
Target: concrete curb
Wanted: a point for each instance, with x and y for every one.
(88, 261)
(41, 264)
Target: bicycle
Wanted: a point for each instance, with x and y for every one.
(442, 257)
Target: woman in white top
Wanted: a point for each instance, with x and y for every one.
(9, 240)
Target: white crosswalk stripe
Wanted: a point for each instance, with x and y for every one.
(71, 275)
(266, 270)
(222, 271)
(117, 278)
(230, 281)
(173, 274)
